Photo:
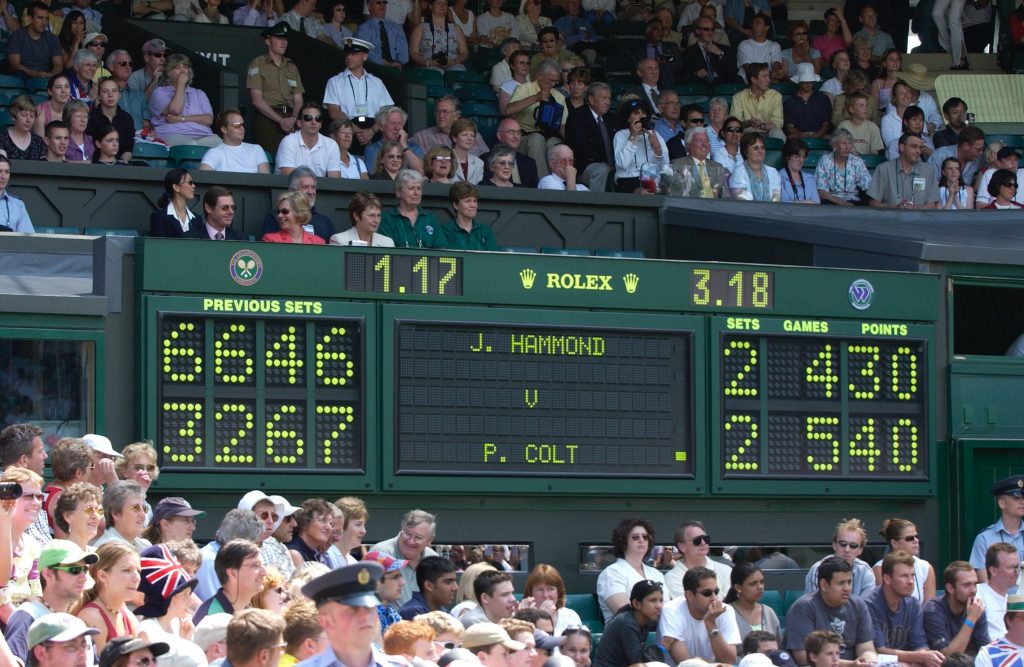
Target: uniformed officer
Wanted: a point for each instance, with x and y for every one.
(1009, 493)
(346, 600)
(276, 89)
(13, 214)
(355, 93)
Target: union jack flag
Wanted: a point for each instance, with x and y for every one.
(1002, 653)
(164, 569)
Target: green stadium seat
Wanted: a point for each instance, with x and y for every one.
(37, 84)
(1011, 140)
(812, 158)
(452, 78)
(773, 158)
(729, 89)
(621, 29)
(40, 98)
(773, 143)
(518, 249)
(423, 75)
(484, 60)
(872, 160)
(100, 231)
(789, 598)
(784, 88)
(475, 92)
(478, 109)
(487, 126)
(154, 155)
(270, 159)
(817, 143)
(436, 90)
(187, 157)
(702, 89)
(703, 101)
(575, 252)
(630, 254)
(585, 605)
(5, 118)
(11, 86)
(774, 600)
(58, 230)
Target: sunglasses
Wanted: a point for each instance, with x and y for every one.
(1009, 185)
(95, 511)
(848, 545)
(439, 158)
(38, 497)
(695, 121)
(280, 211)
(103, 44)
(311, 119)
(70, 569)
(264, 515)
(733, 128)
(701, 539)
(708, 592)
(237, 125)
(446, 645)
(123, 63)
(911, 538)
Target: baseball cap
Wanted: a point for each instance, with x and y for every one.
(119, 647)
(64, 552)
(57, 627)
(286, 508)
(101, 444)
(1006, 151)
(174, 506)
(92, 36)
(154, 46)
(212, 629)
(488, 634)
(389, 563)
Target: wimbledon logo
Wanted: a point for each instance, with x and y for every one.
(245, 267)
(861, 294)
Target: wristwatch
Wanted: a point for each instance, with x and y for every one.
(714, 633)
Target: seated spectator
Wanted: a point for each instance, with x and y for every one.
(491, 645)
(96, 42)
(919, 81)
(410, 640)
(154, 52)
(692, 11)
(801, 52)
(576, 83)
(841, 175)
(301, 18)
(708, 61)
(365, 212)
(134, 102)
(822, 648)
(439, 164)
(93, 18)
(699, 624)
(888, 75)
(116, 573)
(755, 180)
(1002, 567)
(219, 213)
(408, 225)
(902, 535)
(335, 28)
(352, 166)
(167, 590)
(524, 169)
(578, 645)
(913, 122)
(447, 110)
(758, 107)
(625, 634)
(669, 121)
(1002, 188)
(59, 91)
(892, 121)
(437, 43)
(391, 121)
(80, 144)
(867, 140)
(468, 167)
(71, 36)
(879, 40)
(500, 163)
(862, 59)
(313, 525)
(501, 72)
(233, 154)
(848, 543)
(798, 185)
(638, 133)
(51, 638)
(70, 460)
(465, 233)
(956, 622)
(18, 141)
(529, 22)
(839, 64)
(856, 82)
(896, 613)
(293, 212)
(759, 49)
(448, 630)
(34, 51)
(240, 572)
(174, 519)
(211, 635)
(579, 36)
(969, 151)
(306, 147)
(495, 26)
(955, 111)
(589, 133)
(666, 54)
(551, 48)
(108, 112)
(257, 13)
(807, 113)
(465, 19)
(240, 523)
(495, 594)
(542, 113)
(718, 35)
(696, 175)
(545, 586)
(125, 513)
(181, 114)
(80, 75)
(107, 146)
(562, 169)
(172, 217)
(728, 153)
(746, 590)
(389, 587)
(56, 139)
(837, 37)
(1006, 158)
(388, 162)
(387, 38)
(350, 515)
(632, 541)
(302, 631)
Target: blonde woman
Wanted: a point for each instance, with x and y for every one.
(19, 554)
(293, 211)
(465, 599)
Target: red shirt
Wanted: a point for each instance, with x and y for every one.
(285, 237)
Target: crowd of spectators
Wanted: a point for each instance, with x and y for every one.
(94, 569)
(565, 129)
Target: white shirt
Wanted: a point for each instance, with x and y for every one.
(983, 198)
(357, 96)
(356, 167)
(322, 158)
(677, 622)
(245, 158)
(189, 215)
(620, 577)
(692, 11)
(891, 126)
(349, 235)
(674, 577)
(630, 156)
(397, 10)
(555, 182)
(722, 157)
(751, 51)
(995, 607)
(930, 109)
(740, 180)
(833, 87)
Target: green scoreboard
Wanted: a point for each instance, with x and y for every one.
(351, 368)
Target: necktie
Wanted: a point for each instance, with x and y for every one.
(605, 140)
(302, 25)
(705, 183)
(219, 236)
(385, 45)
(575, 26)
(707, 62)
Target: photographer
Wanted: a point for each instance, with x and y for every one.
(636, 145)
(438, 43)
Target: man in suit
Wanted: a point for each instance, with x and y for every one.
(666, 54)
(588, 134)
(525, 170)
(706, 61)
(303, 180)
(697, 175)
(219, 207)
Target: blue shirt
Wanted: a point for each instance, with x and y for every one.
(370, 154)
(992, 535)
(397, 43)
(734, 9)
(941, 625)
(665, 131)
(13, 214)
(388, 616)
(584, 31)
(328, 659)
(902, 630)
(793, 191)
(414, 607)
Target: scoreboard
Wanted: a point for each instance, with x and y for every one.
(474, 372)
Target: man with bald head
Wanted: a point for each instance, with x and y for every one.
(563, 171)
(524, 172)
(649, 72)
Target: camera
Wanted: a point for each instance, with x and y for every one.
(646, 124)
(10, 490)
(441, 59)
(969, 118)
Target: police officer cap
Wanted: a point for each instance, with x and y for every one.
(1011, 486)
(279, 29)
(353, 585)
(356, 45)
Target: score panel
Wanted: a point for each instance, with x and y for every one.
(820, 401)
(541, 396)
(244, 393)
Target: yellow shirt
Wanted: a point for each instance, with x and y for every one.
(525, 117)
(287, 660)
(769, 108)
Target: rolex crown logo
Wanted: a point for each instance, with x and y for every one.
(631, 280)
(527, 276)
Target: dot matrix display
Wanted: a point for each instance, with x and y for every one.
(259, 408)
(525, 400)
(822, 407)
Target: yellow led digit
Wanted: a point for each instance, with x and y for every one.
(815, 434)
(384, 264)
(328, 356)
(733, 460)
(736, 281)
(233, 426)
(701, 293)
(760, 295)
(452, 264)
(909, 444)
(182, 362)
(822, 371)
(864, 383)
(421, 267)
(741, 347)
(223, 353)
(182, 435)
(904, 384)
(864, 444)
(284, 353)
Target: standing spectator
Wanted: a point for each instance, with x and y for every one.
(19, 220)
(759, 49)
(18, 141)
(33, 51)
(465, 233)
(173, 218)
(837, 37)
(234, 154)
(301, 19)
(59, 92)
(387, 38)
(307, 147)
(841, 177)
(154, 54)
(80, 144)
(589, 134)
(107, 112)
(275, 86)
(542, 113)
(758, 107)
(181, 114)
(355, 92)
(948, 17)
(801, 52)
(807, 113)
